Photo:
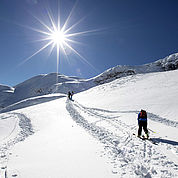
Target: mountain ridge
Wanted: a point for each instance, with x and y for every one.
(57, 83)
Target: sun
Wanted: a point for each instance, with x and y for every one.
(58, 37)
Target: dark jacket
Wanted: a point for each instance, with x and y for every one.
(141, 117)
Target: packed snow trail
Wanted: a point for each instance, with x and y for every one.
(129, 155)
(59, 148)
(18, 128)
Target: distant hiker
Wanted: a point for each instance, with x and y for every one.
(142, 122)
(69, 95)
(72, 94)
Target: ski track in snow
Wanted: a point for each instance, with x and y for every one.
(153, 117)
(9, 141)
(129, 155)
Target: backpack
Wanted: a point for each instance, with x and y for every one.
(143, 114)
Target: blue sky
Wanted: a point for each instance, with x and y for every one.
(129, 32)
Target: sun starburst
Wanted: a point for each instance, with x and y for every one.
(59, 37)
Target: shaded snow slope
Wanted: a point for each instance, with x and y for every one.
(95, 134)
(41, 85)
(5, 93)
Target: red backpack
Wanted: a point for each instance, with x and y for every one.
(143, 114)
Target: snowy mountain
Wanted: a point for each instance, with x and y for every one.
(38, 86)
(46, 83)
(5, 92)
(93, 135)
(166, 64)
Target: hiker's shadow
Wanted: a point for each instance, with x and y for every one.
(160, 140)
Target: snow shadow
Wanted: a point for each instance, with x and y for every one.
(30, 102)
(160, 140)
(162, 120)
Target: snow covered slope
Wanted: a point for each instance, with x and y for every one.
(5, 93)
(94, 135)
(41, 85)
(166, 64)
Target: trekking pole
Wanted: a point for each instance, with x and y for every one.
(152, 130)
(5, 173)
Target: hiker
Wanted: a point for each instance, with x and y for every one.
(142, 122)
(69, 95)
(72, 94)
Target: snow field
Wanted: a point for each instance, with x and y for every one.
(92, 136)
(59, 148)
(129, 155)
(16, 128)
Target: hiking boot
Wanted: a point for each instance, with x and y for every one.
(147, 136)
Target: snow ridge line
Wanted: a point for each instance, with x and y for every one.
(129, 155)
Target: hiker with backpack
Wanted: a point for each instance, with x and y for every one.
(142, 122)
(72, 94)
(69, 95)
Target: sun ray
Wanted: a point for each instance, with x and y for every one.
(68, 18)
(57, 67)
(41, 40)
(71, 27)
(41, 22)
(51, 49)
(76, 52)
(35, 29)
(82, 32)
(45, 46)
(52, 22)
(58, 18)
(73, 41)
